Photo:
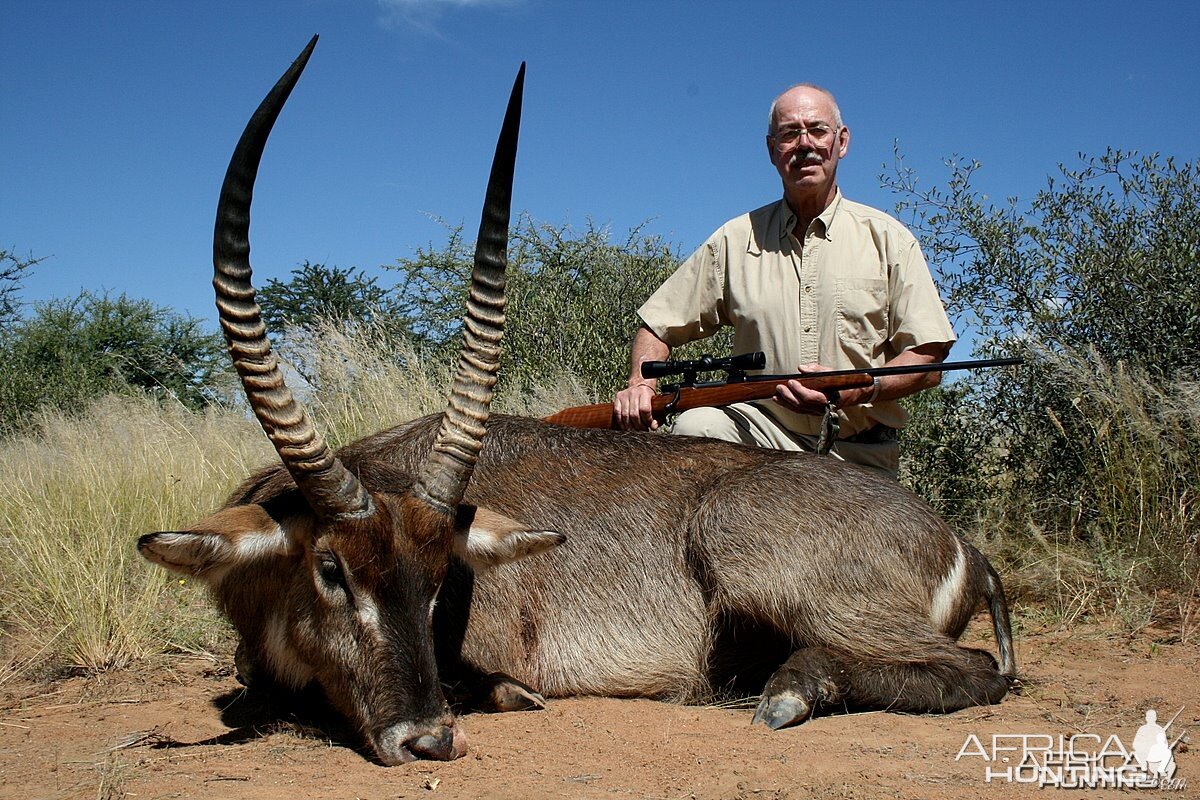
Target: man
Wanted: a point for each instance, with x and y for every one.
(815, 281)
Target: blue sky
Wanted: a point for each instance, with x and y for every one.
(119, 117)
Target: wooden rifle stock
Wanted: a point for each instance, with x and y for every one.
(723, 393)
(601, 415)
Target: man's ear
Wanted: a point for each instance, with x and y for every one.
(232, 536)
(773, 155)
(484, 538)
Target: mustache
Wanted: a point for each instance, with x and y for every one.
(810, 157)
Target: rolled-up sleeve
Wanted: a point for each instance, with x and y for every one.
(915, 309)
(690, 304)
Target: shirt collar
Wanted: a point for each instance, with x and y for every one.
(787, 219)
(773, 235)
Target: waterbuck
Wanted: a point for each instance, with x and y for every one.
(539, 560)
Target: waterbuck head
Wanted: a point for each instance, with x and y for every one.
(329, 572)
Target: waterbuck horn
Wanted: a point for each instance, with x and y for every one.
(331, 490)
(442, 478)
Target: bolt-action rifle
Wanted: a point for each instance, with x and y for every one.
(737, 387)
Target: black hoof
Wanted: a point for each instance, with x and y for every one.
(501, 693)
(780, 710)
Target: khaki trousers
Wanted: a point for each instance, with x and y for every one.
(746, 423)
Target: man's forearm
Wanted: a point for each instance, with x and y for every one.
(632, 406)
(894, 387)
(804, 400)
(646, 347)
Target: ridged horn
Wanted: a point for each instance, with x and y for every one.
(443, 477)
(330, 489)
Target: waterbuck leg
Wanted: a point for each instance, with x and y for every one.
(954, 678)
(811, 677)
(499, 692)
(472, 689)
(470, 686)
(957, 678)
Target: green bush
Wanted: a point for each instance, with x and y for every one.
(572, 303)
(1090, 448)
(72, 351)
(1106, 258)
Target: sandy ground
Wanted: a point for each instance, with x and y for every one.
(184, 730)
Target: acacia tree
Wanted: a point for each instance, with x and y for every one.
(12, 269)
(316, 293)
(70, 351)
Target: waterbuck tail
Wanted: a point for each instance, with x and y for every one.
(998, 607)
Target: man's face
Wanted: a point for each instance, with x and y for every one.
(807, 163)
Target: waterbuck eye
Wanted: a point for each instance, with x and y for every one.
(330, 570)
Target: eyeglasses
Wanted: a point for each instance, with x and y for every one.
(820, 135)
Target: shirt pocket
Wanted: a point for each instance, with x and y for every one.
(862, 310)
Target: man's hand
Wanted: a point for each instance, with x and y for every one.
(632, 407)
(800, 398)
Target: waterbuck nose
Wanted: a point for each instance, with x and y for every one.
(437, 745)
(400, 744)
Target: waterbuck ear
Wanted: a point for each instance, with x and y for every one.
(485, 538)
(231, 536)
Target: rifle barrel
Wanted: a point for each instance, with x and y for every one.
(879, 372)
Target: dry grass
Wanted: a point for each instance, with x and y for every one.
(77, 492)
(1129, 548)
(1145, 470)
(367, 382)
(74, 497)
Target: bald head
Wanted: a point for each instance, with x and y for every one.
(805, 140)
(813, 94)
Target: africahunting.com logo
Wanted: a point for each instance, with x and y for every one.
(1081, 760)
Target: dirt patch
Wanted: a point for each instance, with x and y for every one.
(178, 731)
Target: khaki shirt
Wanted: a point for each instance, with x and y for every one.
(855, 294)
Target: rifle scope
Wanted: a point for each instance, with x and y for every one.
(735, 365)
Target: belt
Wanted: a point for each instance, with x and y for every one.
(876, 434)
